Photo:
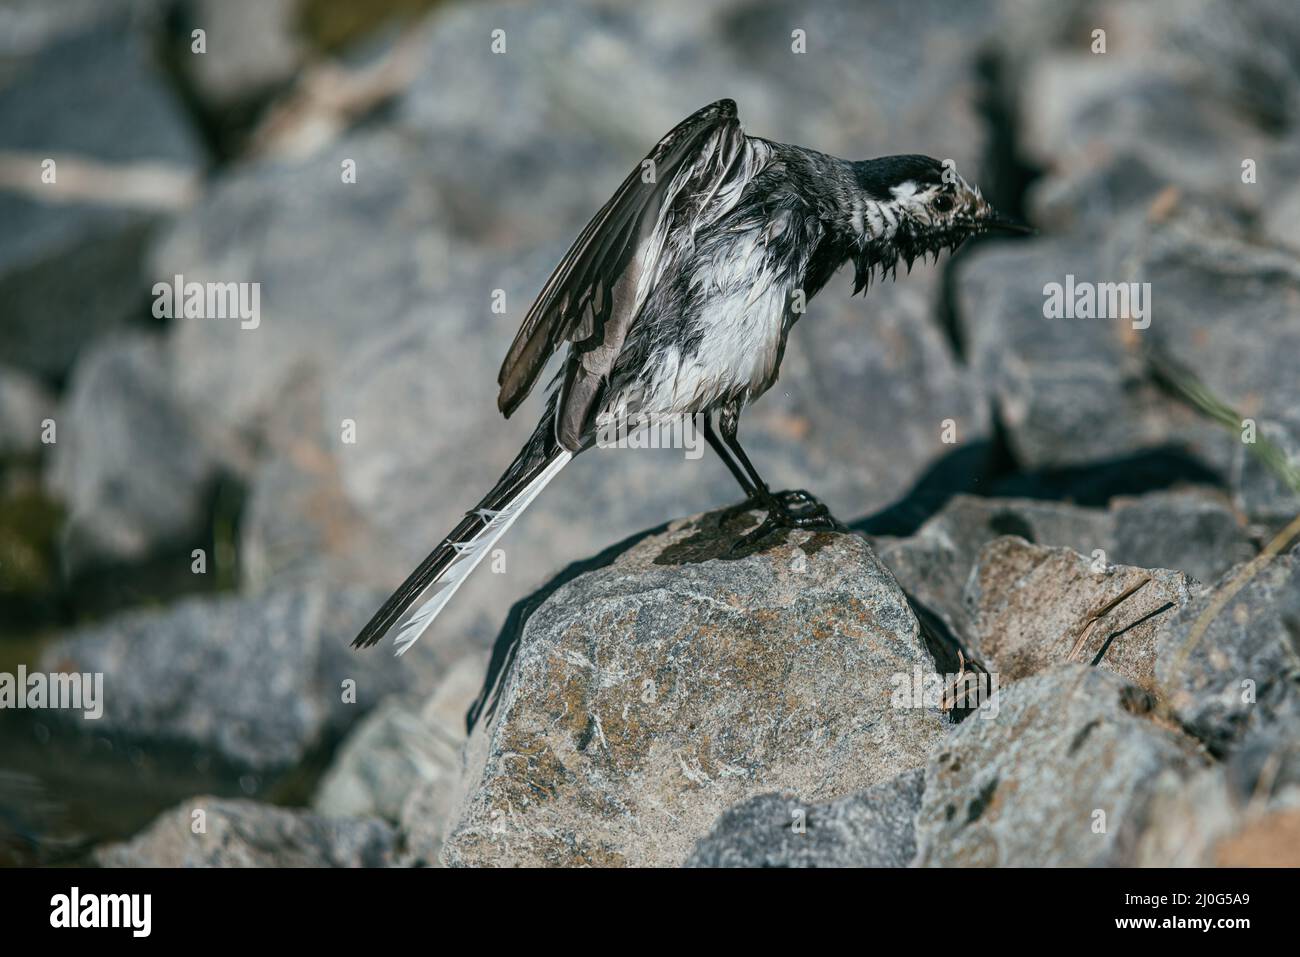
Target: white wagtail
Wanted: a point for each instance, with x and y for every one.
(677, 298)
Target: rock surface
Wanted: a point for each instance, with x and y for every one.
(1070, 391)
(1222, 294)
(300, 213)
(1062, 774)
(298, 524)
(1199, 536)
(71, 251)
(24, 405)
(1228, 660)
(1193, 533)
(212, 832)
(873, 828)
(934, 562)
(391, 750)
(649, 695)
(251, 47)
(255, 682)
(1035, 607)
(121, 413)
(1245, 813)
(402, 746)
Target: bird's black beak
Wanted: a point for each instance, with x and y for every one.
(1006, 224)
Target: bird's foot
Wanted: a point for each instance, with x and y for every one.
(801, 502)
(793, 508)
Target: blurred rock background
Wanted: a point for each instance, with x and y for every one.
(130, 444)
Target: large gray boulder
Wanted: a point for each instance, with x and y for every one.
(298, 524)
(516, 183)
(1280, 218)
(613, 54)
(1201, 536)
(1099, 199)
(1187, 89)
(1070, 391)
(1168, 161)
(1246, 52)
(30, 25)
(1059, 771)
(1078, 109)
(128, 463)
(390, 750)
(251, 684)
(276, 223)
(647, 696)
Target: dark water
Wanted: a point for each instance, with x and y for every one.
(63, 792)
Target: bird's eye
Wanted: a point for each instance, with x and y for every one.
(943, 203)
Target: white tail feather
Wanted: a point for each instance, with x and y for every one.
(470, 553)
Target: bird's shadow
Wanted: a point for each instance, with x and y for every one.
(978, 468)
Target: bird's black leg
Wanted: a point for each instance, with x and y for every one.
(718, 446)
(792, 509)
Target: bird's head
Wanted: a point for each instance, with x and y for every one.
(909, 207)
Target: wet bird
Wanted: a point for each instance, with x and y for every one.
(677, 298)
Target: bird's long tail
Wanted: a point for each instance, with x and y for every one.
(413, 607)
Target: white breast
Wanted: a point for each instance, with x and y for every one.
(745, 306)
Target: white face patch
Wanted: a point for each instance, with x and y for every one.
(903, 190)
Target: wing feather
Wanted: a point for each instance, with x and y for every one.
(603, 280)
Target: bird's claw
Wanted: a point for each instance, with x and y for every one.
(801, 502)
(794, 508)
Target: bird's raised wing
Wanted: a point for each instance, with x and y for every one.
(601, 284)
